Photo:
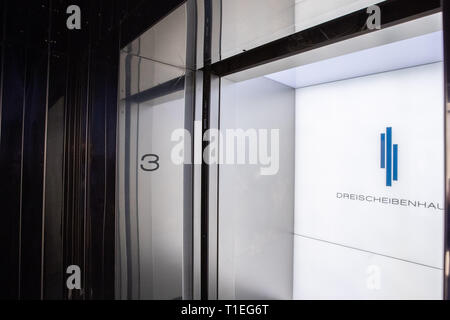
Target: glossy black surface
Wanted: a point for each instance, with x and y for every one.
(58, 142)
(13, 94)
(188, 170)
(33, 149)
(10, 167)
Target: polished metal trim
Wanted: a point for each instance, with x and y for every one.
(197, 186)
(19, 264)
(206, 97)
(44, 174)
(188, 172)
(446, 110)
(209, 184)
(213, 201)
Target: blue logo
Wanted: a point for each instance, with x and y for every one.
(389, 157)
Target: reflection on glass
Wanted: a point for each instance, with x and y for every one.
(150, 186)
(251, 23)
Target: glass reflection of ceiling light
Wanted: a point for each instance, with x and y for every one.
(411, 52)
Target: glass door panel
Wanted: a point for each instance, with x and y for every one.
(149, 228)
(340, 191)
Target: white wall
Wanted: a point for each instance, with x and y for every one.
(342, 245)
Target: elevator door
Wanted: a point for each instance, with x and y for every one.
(149, 226)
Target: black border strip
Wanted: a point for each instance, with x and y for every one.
(348, 26)
(127, 161)
(206, 106)
(188, 169)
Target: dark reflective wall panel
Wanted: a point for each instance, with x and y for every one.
(11, 152)
(58, 111)
(54, 183)
(10, 167)
(33, 148)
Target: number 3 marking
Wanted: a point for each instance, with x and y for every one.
(155, 162)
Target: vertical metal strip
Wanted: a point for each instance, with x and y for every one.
(189, 116)
(197, 183)
(105, 181)
(19, 278)
(213, 190)
(205, 191)
(129, 267)
(446, 25)
(116, 250)
(45, 146)
(214, 172)
(138, 251)
(209, 173)
(64, 173)
(205, 167)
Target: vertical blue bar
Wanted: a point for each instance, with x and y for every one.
(389, 156)
(395, 162)
(383, 147)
